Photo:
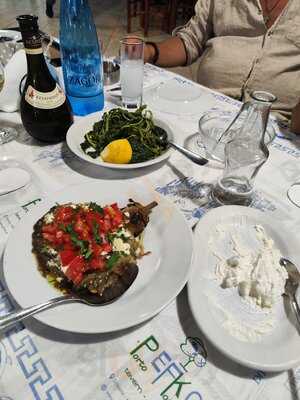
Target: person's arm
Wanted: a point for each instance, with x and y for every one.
(172, 53)
(295, 121)
(188, 41)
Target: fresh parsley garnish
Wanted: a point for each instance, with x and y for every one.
(97, 237)
(83, 245)
(88, 254)
(113, 259)
(95, 207)
(110, 237)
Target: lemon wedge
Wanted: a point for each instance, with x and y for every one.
(117, 152)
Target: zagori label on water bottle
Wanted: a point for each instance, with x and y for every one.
(45, 100)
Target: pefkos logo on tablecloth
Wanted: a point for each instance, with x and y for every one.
(153, 373)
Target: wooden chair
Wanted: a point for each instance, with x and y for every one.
(180, 10)
(146, 10)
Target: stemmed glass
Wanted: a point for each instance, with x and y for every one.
(6, 133)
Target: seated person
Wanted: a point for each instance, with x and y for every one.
(49, 8)
(241, 46)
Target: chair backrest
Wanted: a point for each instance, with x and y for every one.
(144, 9)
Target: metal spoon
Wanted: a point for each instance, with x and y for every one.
(19, 315)
(189, 154)
(291, 285)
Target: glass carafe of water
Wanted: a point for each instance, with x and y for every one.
(245, 153)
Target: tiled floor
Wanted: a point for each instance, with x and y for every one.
(109, 16)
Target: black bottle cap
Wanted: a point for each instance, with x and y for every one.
(28, 23)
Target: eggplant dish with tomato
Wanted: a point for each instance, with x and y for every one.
(90, 250)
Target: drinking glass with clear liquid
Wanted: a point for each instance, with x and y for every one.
(6, 133)
(132, 71)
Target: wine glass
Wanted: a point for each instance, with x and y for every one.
(6, 133)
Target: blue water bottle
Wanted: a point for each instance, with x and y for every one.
(81, 57)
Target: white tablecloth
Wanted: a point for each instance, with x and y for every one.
(39, 362)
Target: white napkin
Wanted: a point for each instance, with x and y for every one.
(14, 71)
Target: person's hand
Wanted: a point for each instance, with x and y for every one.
(295, 121)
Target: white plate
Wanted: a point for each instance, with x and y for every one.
(178, 96)
(279, 349)
(75, 136)
(159, 280)
(11, 34)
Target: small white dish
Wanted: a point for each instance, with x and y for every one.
(12, 179)
(160, 279)
(178, 96)
(278, 348)
(75, 136)
(11, 34)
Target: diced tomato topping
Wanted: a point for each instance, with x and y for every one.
(106, 247)
(49, 237)
(105, 225)
(115, 207)
(76, 269)
(69, 246)
(97, 263)
(67, 256)
(97, 249)
(93, 217)
(64, 214)
(82, 229)
(118, 219)
(59, 237)
(49, 228)
(67, 238)
(86, 225)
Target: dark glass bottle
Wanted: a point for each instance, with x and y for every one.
(45, 111)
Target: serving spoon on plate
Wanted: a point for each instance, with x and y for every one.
(16, 316)
(101, 293)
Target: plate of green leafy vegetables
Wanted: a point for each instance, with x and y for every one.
(134, 139)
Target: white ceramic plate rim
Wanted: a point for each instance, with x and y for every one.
(76, 132)
(215, 333)
(10, 33)
(150, 299)
(151, 97)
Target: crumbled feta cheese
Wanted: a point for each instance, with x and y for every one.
(123, 232)
(103, 253)
(48, 218)
(52, 263)
(84, 206)
(120, 245)
(51, 251)
(73, 206)
(126, 213)
(257, 274)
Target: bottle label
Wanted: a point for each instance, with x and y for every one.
(45, 101)
(34, 51)
(33, 43)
